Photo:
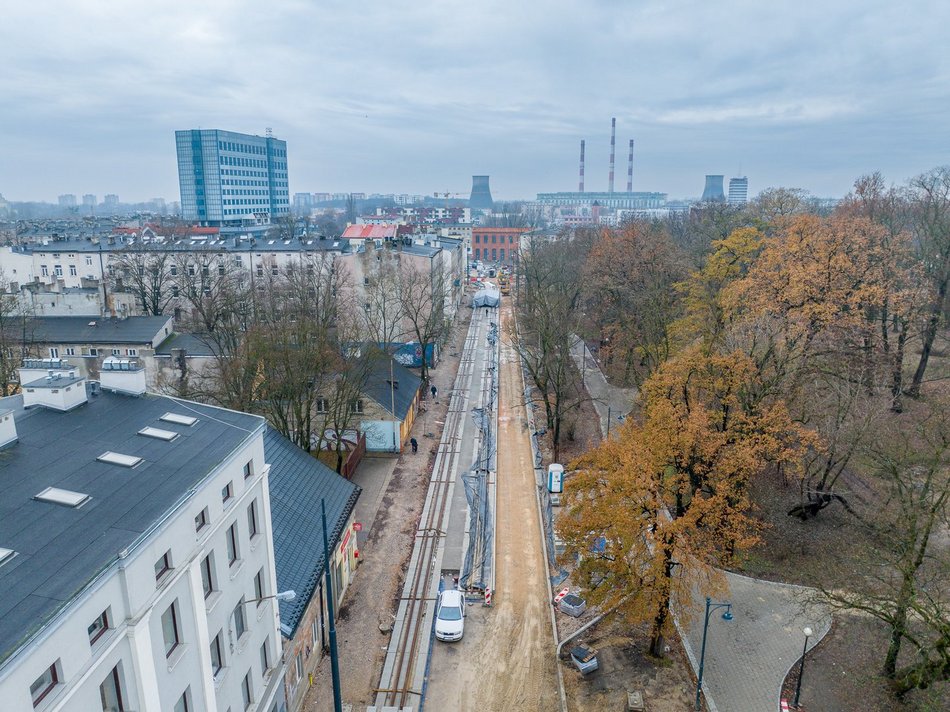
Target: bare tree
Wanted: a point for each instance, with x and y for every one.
(930, 194)
(146, 273)
(547, 321)
(422, 296)
(16, 336)
(381, 310)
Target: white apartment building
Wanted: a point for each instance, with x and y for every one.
(136, 552)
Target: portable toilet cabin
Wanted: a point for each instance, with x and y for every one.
(555, 478)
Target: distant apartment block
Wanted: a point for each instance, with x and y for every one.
(738, 191)
(89, 200)
(67, 201)
(231, 180)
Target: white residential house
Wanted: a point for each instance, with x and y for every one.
(136, 554)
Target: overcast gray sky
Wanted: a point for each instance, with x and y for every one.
(418, 96)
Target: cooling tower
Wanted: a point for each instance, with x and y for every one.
(713, 192)
(481, 194)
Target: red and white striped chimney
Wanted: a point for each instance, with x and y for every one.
(580, 185)
(613, 145)
(630, 169)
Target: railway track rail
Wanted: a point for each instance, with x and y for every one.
(403, 676)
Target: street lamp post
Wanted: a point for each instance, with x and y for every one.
(282, 596)
(726, 616)
(801, 668)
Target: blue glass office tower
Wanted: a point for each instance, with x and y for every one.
(232, 180)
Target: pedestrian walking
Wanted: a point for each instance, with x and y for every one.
(415, 445)
(434, 391)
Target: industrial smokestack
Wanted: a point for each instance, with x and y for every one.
(580, 185)
(630, 169)
(613, 145)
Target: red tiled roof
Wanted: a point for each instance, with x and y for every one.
(370, 232)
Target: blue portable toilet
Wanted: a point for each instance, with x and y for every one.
(555, 478)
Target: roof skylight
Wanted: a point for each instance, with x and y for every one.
(116, 458)
(6, 555)
(179, 419)
(158, 434)
(67, 498)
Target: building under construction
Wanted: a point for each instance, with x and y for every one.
(618, 200)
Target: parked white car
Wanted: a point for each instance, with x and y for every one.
(450, 616)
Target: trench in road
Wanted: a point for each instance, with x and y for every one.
(505, 661)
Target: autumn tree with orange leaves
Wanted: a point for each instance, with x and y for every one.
(628, 297)
(673, 488)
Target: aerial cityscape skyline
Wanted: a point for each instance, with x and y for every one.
(422, 116)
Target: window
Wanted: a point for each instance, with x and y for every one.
(174, 290)
(70, 351)
(246, 691)
(98, 627)
(252, 529)
(58, 269)
(88, 261)
(53, 352)
(201, 521)
(45, 270)
(298, 665)
(313, 633)
(265, 659)
(170, 629)
(173, 270)
(163, 565)
(207, 575)
(182, 704)
(260, 270)
(259, 587)
(323, 405)
(248, 469)
(275, 270)
(356, 406)
(131, 352)
(240, 622)
(191, 270)
(110, 692)
(116, 352)
(45, 683)
(72, 270)
(227, 492)
(232, 544)
(93, 352)
(217, 661)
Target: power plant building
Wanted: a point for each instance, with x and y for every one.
(631, 201)
(232, 180)
(738, 191)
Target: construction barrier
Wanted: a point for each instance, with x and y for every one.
(488, 596)
(561, 594)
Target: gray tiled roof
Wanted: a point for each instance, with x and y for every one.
(192, 344)
(77, 330)
(297, 484)
(61, 550)
(378, 388)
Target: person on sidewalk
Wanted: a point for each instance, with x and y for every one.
(434, 391)
(415, 445)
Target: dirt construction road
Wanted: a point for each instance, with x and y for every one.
(505, 661)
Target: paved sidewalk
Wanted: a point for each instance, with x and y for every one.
(747, 658)
(611, 403)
